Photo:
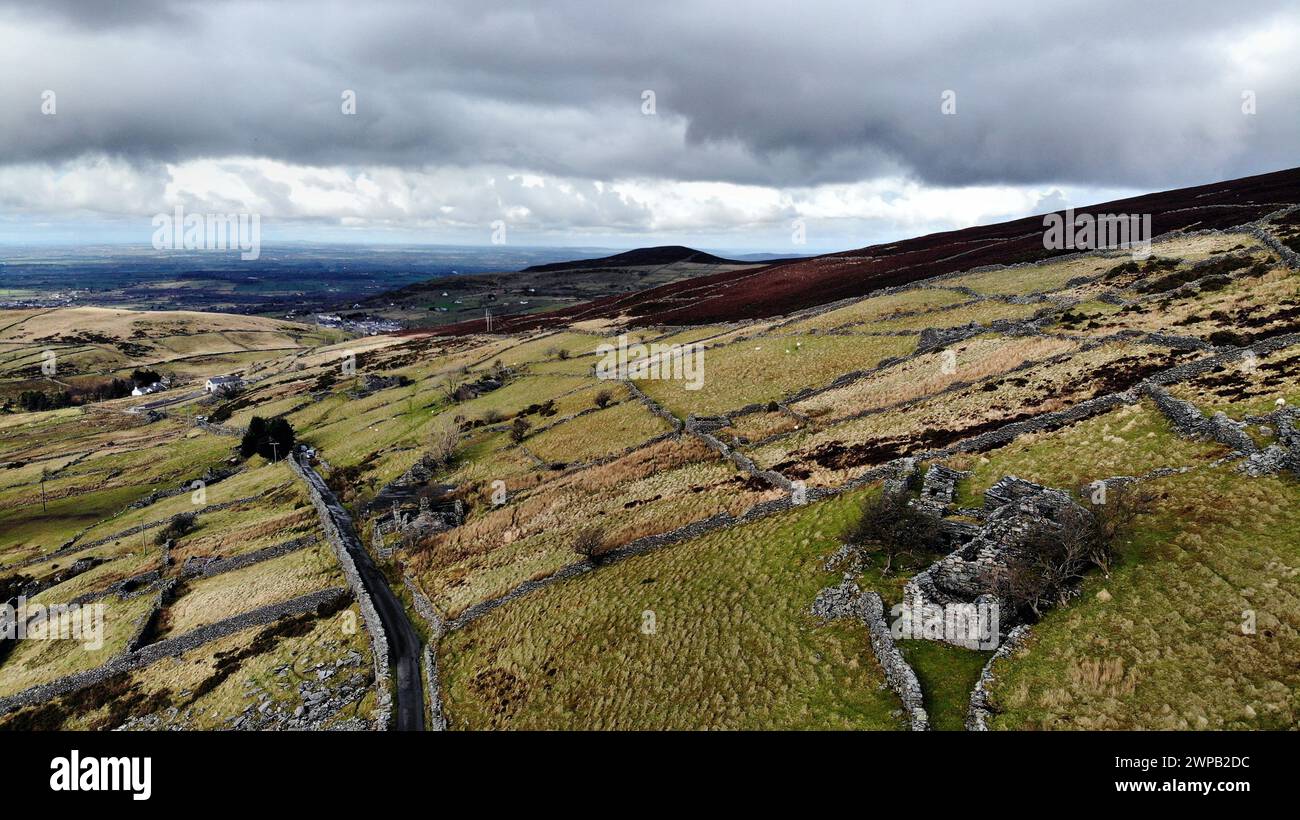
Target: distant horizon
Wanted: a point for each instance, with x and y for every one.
(579, 251)
(114, 233)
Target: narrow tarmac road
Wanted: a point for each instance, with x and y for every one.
(403, 641)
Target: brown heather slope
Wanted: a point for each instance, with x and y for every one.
(784, 287)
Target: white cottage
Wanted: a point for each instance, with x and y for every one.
(217, 383)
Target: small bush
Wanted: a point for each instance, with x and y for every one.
(1129, 267)
(894, 529)
(175, 529)
(1227, 338)
(444, 438)
(589, 543)
(603, 398)
(519, 429)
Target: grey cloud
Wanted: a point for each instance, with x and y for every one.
(1111, 93)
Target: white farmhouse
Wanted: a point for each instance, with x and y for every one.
(144, 390)
(221, 383)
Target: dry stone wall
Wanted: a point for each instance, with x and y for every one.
(847, 601)
(429, 662)
(977, 717)
(320, 601)
(343, 547)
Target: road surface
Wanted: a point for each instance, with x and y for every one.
(403, 641)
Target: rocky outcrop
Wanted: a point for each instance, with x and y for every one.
(331, 690)
(847, 601)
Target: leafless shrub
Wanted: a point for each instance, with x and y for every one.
(1044, 567)
(176, 528)
(603, 398)
(894, 529)
(519, 429)
(1115, 518)
(589, 543)
(443, 440)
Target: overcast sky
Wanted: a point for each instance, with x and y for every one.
(535, 114)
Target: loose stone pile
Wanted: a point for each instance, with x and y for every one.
(320, 699)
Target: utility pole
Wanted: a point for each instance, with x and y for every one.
(275, 451)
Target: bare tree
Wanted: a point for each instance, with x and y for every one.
(443, 440)
(1045, 563)
(589, 543)
(891, 527)
(448, 391)
(519, 429)
(1115, 518)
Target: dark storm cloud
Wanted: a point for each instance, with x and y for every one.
(105, 14)
(1103, 93)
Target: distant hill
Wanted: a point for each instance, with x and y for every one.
(640, 257)
(759, 290)
(542, 288)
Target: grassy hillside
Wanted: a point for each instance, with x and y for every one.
(509, 454)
